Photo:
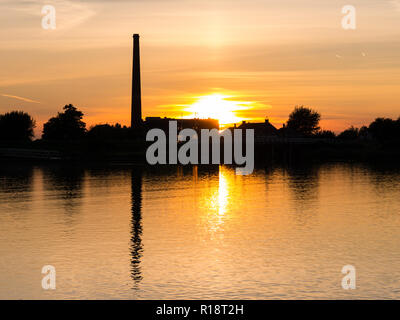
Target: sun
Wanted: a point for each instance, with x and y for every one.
(217, 106)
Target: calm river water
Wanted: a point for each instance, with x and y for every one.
(200, 233)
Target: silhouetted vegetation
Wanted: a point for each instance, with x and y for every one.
(67, 125)
(16, 126)
(107, 132)
(325, 134)
(304, 121)
(300, 138)
(385, 129)
(349, 134)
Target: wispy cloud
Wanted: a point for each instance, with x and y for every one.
(395, 4)
(19, 98)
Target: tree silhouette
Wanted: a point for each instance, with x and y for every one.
(351, 133)
(363, 133)
(16, 126)
(304, 121)
(385, 129)
(107, 131)
(67, 125)
(325, 134)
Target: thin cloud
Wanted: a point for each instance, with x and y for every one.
(19, 98)
(395, 4)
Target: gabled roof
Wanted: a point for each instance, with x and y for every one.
(260, 128)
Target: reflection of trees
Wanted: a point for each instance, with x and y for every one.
(303, 184)
(67, 182)
(384, 179)
(16, 182)
(136, 220)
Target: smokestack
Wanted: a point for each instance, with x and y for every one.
(136, 111)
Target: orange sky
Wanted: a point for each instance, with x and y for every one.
(266, 55)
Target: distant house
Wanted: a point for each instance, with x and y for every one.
(262, 130)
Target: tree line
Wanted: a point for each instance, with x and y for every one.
(69, 125)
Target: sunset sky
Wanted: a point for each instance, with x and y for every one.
(264, 57)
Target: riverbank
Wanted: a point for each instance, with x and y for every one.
(134, 151)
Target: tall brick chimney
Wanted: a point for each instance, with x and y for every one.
(136, 106)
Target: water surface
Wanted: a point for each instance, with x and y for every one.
(199, 233)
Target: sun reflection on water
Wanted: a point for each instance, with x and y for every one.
(217, 202)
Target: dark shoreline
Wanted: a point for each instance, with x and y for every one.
(131, 152)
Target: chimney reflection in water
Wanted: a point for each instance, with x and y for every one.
(136, 237)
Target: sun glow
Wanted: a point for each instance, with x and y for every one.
(217, 106)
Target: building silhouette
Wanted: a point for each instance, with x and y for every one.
(157, 122)
(262, 129)
(136, 105)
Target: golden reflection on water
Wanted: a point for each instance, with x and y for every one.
(218, 203)
(200, 233)
(217, 200)
(223, 193)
